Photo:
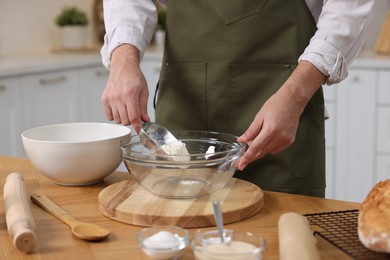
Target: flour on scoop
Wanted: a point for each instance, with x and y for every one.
(177, 148)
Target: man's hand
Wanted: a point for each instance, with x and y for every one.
(126, 94)
(275, 125)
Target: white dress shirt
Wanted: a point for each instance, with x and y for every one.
(342, 27)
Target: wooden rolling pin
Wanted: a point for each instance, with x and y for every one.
(296, 240)
(20, 222)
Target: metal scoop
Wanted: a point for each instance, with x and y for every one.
(154, 136)
(218, 219)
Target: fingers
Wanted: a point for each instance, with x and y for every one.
(280, 148)
(253, 136)
(249, 137)
(144, 106)
(252, 132)
(118, 106)
(130, 109)
(265, 143)
(256, 149)
(270, 138)
(107, 109)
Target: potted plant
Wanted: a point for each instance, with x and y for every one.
(161, 25)
(161, 19)
(72, 23)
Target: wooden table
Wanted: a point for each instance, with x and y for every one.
(55, 240)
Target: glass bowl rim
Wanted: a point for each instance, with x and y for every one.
(124, 143)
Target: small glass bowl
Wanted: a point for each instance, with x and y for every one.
(237, 245)
(163, 242)
(184, 176)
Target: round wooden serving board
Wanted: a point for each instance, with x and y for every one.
(129, 203)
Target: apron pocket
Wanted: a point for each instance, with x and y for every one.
(181, 96)
(231, 11)
(250, 85)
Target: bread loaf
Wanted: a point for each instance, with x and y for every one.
(374, 218)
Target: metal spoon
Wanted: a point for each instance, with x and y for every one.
(218, 219)
(154, 136)
(82, 230)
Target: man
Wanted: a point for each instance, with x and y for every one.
(253, 68)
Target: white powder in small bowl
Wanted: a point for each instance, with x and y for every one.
(163, 245)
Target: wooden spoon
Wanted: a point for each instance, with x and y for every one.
(82, 230)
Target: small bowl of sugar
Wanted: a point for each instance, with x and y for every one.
(163, 242)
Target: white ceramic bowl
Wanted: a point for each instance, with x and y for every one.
(75, 154)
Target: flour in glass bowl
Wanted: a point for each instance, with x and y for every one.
(176, 148)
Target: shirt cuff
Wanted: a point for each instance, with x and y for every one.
(121, 35)
(327, 59)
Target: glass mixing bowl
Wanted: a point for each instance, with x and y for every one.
(208, 167)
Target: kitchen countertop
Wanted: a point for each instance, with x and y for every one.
(55, 240)
(23, 64)
(369, 59)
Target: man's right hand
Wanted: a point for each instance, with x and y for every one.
(126, 94)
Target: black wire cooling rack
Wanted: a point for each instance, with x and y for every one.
(340, 229)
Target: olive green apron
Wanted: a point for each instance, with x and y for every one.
(223, 59)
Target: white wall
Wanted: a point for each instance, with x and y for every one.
(28, 25)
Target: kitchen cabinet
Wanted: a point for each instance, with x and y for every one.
(9, 115)
(383, 127)
(92, 83)
(358, 133)
(49, 98)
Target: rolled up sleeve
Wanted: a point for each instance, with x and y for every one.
(342, 28)
(128, 22)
